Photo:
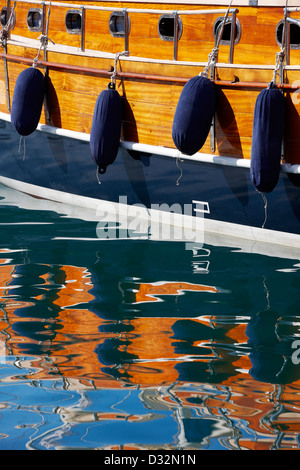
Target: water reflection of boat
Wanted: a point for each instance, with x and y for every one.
(196, 367)
(143, 56)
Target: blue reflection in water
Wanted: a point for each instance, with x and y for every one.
(140, 344)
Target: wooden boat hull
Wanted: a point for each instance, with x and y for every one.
(150, 80)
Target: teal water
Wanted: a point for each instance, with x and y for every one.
(140, 344)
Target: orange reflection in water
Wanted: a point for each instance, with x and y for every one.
(156, 355)
(150, 292)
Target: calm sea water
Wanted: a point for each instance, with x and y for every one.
(140, 344)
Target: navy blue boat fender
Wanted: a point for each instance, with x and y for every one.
(28, 100)
(194, 113)
(106, 128)
(268, 131)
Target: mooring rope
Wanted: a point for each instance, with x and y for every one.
(44, 39)
(264, 198)
(4, 30)
(178, 159)
(279, 60)
(115, 71)
(213, 56)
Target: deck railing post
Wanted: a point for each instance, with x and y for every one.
(126, 30)
(5, 60)
(82, 42)
(287, 38)
(232, 35)
(8, 16)
(175, 49)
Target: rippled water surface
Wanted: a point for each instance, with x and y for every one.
(141, 344)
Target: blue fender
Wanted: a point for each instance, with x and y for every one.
(194, 113)
(28, 100)
(106, 128)
(267, 136)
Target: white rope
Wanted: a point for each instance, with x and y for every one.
(278, 63)
(264, 198)
(4, 31)
(43, 38)
(213, 56)
(180, 169)
(97, 176)
(281, 54)
(115, 72)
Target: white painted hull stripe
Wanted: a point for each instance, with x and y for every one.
(205, 225)
(161, 151)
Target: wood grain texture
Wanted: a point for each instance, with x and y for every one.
(150, 104)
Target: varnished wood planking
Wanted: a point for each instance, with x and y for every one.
(149, 109)
(257, 43)
(151, 103)
(150, 119)
(76, 83)
(73, 95)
